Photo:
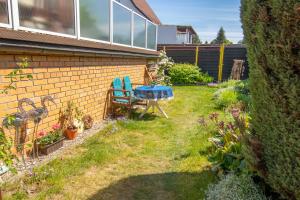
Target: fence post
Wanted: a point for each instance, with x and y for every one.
(197, 56)
(221, 62)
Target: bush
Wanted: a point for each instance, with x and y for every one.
(225, 97)
(231, 93)
(226, 155)
(272, 33)
(233, 187)
(188, 74)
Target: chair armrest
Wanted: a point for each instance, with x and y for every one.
(116, 97)
(137, 84)
(118, 90)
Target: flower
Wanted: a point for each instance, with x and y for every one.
(235, 113)
(202, 121)
(56, 127)
(214, 117)
(221, 124)
(42, 133)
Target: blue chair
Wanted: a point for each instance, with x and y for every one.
(118, 97)
(128, 86)
(123, 95)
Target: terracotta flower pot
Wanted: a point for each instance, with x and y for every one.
(71, 133)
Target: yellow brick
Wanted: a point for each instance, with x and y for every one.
(33, 89)
(40, 82)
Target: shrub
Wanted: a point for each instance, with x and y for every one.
(188, 74)
(233, 187)
(231, 93)
(225, 97)
(272, 33)
(226, 153)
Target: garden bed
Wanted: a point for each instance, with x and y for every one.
(43, 159)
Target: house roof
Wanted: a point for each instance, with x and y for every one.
(144, 7)
(187, 27)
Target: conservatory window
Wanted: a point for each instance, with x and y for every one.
(121, 25)
(48, 15)
(139, 31)
(94, 19)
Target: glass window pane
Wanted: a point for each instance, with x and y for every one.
(151, 36)
(3, 12)
(139, 33)
(94, 19)
(49, 15)
(122, 25)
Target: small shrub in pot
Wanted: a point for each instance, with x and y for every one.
(70, 120)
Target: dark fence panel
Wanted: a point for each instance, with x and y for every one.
(208, 57)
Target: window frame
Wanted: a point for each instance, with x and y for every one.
(9, 16)
(91, 39)
(17, 25)
(13, 14)
(134, 13)
(156, 32)
(131, 25)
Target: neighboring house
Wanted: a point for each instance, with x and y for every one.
(75, 49)
(175, 34)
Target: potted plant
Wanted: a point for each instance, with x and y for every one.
(71, 132)
(50, 142)
(87, 121)
(70, 121)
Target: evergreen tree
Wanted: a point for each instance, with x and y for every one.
(221, 38)
(196, 40)
(272, 33)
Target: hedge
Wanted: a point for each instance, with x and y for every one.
(272, 35)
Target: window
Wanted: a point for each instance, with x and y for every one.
(48, 15)
(94, 19)
(121, 25)
(4, 12)
(139, 32)
(151, 36)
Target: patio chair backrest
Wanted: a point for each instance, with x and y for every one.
(127, 85)
(117, 84)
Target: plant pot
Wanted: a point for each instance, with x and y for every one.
(71, 133)
(80, 125)
(45, 150)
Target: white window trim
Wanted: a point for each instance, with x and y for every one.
(9, 25)
(156, 30)
(131, 28)
(17, 25)
(87, 38)
(13, 15)
(145, 21)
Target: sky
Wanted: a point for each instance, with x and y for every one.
(206, 16)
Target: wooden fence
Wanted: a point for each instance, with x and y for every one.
(207, 57)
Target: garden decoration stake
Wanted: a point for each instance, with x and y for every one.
(19, 121)
(37, 115)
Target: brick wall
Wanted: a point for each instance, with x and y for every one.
(84, 80)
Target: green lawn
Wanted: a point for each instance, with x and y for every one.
(153, 158)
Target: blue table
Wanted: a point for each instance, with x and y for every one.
(153, 94)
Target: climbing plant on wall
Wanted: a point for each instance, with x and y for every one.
(16, 75)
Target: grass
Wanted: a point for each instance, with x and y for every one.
(153, 158)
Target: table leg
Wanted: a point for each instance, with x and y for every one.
(161, 110)
(149, 105)
(154, 104)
